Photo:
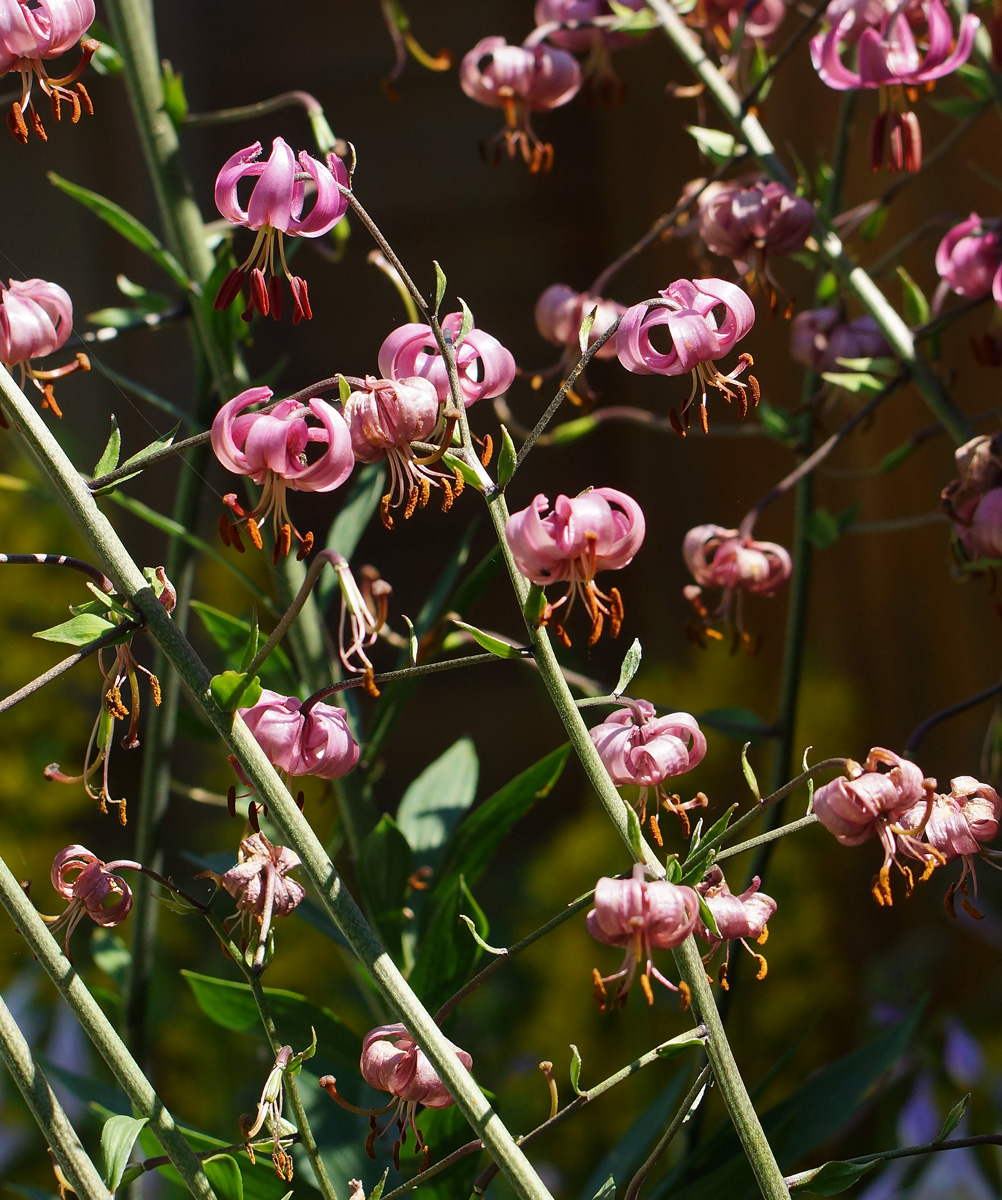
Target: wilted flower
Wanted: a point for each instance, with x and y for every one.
(269, 1111)
(641, 916)
(31, 30)
(887, 57)
(820, 337)
(275, 209)
(36, 318)
(973, 501)
(485, 367)
(723, 558)
(687, 309)
(978, 525)
(887, 797)
(385, 418)
(560, 311)
(638, 747)
(521, 80)
(600, 530)
(92, 889)
(317, 742)
(270, 448)
(738, 918)
(262, 889)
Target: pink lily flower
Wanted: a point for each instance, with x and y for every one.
(275, 209)
(819, 337)
(973, 501)
(887, 797)
(640, 916)
(697, 340)
(92, 889)
(602, 529)
(486, 368)
(888, 58)
(638, 747)
(317, 742)
(39, 30)
(520, 80)
(738, 919)
(584, 27)
(260, 885)
(978, 525)
(385, 418)
(270, 448)
(36, 318)
(969, 258)
(560, 311)
(723, 17)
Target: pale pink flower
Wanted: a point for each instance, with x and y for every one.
(638, 747)
(687, 310)
(36, 319)
(275, 208)
(739, 918)
(271, 449)
(520, 80)
(92, 889)
(560, 311)
(39, 29)
(887, 797)
(386, 417)
(748, 221)
(485, 367)
(317, 742)
(640, 916)
(820, 337)
(602, 529)
(261, 886)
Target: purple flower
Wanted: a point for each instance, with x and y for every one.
(41, 29)
(979, 475)
(584, 27)
(640, 916)
(638, 747)
(260, 885)
(275, 208)
(687, 309)
(486, 368)
(92, 889)
(385, 418)
(738, 918)
(761, 20)
(819, 337)
(969, 257)
(36, 319)
(746, 222)
(602, 529)
(978, 525)
(560, 311)
(271, 449)
(887, 797)
(318, 742)
(520, 80)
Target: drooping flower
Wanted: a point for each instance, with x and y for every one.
(261, 886)
(957, 826)
(820, 337)
(978, 525)
(275, 208)
(92, 889)
(583, 27)
(697, 339)
(969, 257)
(560, 311)
(599, 530)
(723, 18)
(887, 797)
(641, 916)
(639, 747)
(317, 742)
(973, 501)
(36, 319)
(723, 558)
(385, 418)
(33, 30)
(520, 80)
(270, 447)
(485, 367)
(739, 918)
(888, 58)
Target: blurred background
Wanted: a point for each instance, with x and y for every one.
(893, 633)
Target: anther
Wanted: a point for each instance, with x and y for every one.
(49, 401)
(616, 611)
(424, 488)
(236, 540)
(763, 966)
(384, 512)
(155, 689)
(252, 817)
(763, 937)
(645, 987)
(369, 683)
(676, 424)
(15, 123)
(722, 978)
(56, 105)
(75, 105)
(704, 423)
(756, 391)
(224, 530)
(300, 800)
(598, 989)
(36, 124)
(488, 451)
(459, 483)
(655, 829)
(448, 496)
(254, 533)
(283, 543)
(85, 99)
(305, 546)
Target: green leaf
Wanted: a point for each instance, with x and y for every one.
(871, 228)
(916, 306)
(832, 1178)
(233, 635)
(436, 801)
(161, 443)
(958, 107)
(118, 1136)
(634, 833)
(676, 1049)
(175, 101)
(493, 645)
(466, 325)
(343, 389)
(232, 690)
(377, 1191)
(707, 917)
(80, 630)
(472, 927)
(954, 1117)
(749, 774)
(824, 528)
(642, 20)
(506, 459)
(445, 958)
(440, 286)
(631, 664)
(111, 955)
(607, 1191)
(673, 869)
(976, 79)
(570, 431)
(718, 146)
(587, 321)
(854, 382)
(224, 1175)
(575, 1071)
(892, 460)
(127, 225)
(777, 422)
(107, 60)
(109, 459)
(827, 288)
(385, 864)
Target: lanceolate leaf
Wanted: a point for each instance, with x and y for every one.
(118, 1136)
(385, 863)
(435, 802)
(109, 459)
(80, 630)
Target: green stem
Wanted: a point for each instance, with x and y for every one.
(295, 829)
(74, 1161)
(102, 1033)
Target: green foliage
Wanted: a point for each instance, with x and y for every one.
(506, 458)
(832, 1178)
(490, 643)
(232, 636)
(825, 528)
(118, 1136)
(631, 665)
(446, 956)
(718, 145)
(81, 630)
(384, 867)
(436, 801)
(232, 690)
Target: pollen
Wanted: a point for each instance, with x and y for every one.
(685, 995)
(254, 533)
(645, 987)
(763, 966)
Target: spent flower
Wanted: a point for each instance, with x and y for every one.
(36, 319)
(261, 886)
(92, 889)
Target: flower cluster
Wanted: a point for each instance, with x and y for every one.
(969, 263)
(582, 26)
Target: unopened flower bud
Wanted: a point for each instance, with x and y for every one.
(317, 743)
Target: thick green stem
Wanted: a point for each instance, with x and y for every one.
(296, 830)
(74, 1161)
(102, 1033)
